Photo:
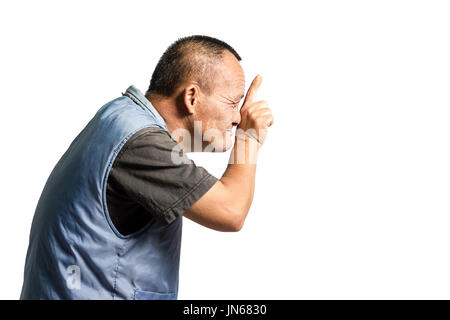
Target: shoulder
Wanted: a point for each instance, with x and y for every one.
(152, 145)
(150, 137)
(152, 134)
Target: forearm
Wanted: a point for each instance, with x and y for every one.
(239, 177)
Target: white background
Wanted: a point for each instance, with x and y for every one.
(353, 182)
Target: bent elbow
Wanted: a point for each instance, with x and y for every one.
(235, 221)
(236, 226)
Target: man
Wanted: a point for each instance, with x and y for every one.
(108, 223)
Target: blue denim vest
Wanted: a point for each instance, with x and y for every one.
(74, 251)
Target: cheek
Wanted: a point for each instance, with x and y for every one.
(218, 119)
(226, 116)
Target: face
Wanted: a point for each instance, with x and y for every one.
(219, 112)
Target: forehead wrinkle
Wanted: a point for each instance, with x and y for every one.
(240, 97)
(227, 97)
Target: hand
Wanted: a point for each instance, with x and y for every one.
(256, 116)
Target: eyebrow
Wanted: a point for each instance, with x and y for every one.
(234, 100)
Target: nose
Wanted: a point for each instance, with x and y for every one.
(236, 117)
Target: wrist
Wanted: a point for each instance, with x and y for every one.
(245, 149)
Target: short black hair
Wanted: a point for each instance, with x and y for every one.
(188, 57)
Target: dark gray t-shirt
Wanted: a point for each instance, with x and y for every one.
(144, 183)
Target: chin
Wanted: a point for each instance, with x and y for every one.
(227, 143)
(228, 146)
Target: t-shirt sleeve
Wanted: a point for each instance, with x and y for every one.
(152, 170)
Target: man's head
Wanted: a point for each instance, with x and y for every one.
(203, 78)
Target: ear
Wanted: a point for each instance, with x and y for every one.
(191, 98)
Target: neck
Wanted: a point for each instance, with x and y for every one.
(168, 109)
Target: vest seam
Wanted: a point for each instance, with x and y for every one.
(116, 271)
(126, 146)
